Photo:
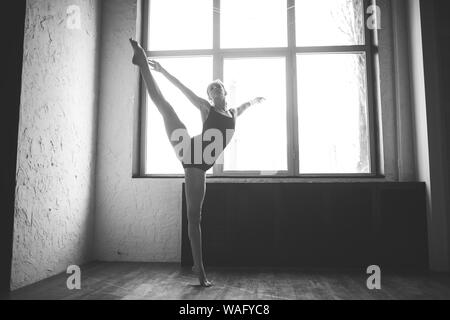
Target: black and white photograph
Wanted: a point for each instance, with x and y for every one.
(225, 155)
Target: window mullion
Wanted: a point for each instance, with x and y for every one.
(143, 123)
(218, 74)
(216, 25)
(372, 91)
(217, 62)
(291, 89)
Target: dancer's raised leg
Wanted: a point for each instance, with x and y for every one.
(171, 120)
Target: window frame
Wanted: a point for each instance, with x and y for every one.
(289, 53)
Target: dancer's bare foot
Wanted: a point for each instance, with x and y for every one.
(202, 277)
(140, 57)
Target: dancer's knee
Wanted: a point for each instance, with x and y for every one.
(194, 218)
(194, 228)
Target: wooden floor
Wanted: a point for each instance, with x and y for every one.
(170, 282)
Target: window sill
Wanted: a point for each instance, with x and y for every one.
(278, 179)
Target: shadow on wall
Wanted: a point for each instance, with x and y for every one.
(12, 35)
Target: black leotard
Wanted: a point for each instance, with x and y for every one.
(217, 121)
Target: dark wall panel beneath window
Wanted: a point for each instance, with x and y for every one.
(321, 225)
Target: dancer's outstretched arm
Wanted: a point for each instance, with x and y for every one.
(240, 110)
(198, 102)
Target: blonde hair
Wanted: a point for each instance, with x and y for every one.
(215, 82)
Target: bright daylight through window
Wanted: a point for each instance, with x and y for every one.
(310, 59)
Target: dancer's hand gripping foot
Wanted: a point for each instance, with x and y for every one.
(140, 57)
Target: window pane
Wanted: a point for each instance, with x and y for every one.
(181, 24)
(329, 22)
(253, 23)
(196, 74)
(260, 142)
(333, 114)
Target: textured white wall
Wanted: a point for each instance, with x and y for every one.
(136, 219)
(53, 225)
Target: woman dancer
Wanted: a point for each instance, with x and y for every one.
(217, 118)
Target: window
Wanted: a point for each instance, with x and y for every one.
(263, 146)
(311, 59)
